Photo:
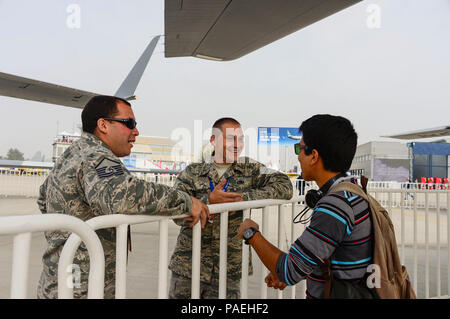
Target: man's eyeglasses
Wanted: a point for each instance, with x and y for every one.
(130, 123)
(298, 148)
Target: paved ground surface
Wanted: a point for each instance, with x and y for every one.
(143, 267)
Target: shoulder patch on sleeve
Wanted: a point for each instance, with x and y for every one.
(108, 167)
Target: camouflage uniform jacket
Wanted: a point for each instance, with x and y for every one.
(251, 179)
(87, 181)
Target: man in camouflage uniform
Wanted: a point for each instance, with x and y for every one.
(228, 178)
(89, 180)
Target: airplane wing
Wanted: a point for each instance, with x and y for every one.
(225, 30)
(34, 90)
(431, 132)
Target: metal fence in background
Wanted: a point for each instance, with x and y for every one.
(26, 181)
(282, 232)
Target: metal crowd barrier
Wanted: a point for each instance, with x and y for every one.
(409, 209)
(121, 222)
(283, 208)
(435, 204)
(24, 226)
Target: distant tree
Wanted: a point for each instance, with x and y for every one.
(14, 155)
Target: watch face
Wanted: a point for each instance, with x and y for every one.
(248, 233)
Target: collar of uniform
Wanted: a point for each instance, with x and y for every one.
(238, 167)
(92, 139)
(241, 164)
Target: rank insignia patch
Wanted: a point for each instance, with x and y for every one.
(107, 168)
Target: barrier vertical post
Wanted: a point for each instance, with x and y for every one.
(448, 243)
(163, 255)
(245, 257)
(281, 234)
(265, 233)
(121, 261)
(20, 265)
(438, 245)
(293, 237)
(402, 218)
(196, 246)
(223, 255)
(427, 261)
(415, 242)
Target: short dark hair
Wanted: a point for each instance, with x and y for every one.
(98, 107)
(333, 137)
(218, 124)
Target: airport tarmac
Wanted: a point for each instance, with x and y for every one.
(142, 273)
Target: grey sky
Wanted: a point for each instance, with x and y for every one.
(387, 80)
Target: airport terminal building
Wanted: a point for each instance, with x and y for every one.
(396, 161)
(148, 152)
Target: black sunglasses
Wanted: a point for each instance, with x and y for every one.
(298, 148)
(130, 123)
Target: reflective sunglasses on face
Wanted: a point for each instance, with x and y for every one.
(298, 147)
(130, 123)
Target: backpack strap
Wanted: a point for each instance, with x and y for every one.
(328, 276)
(353, 188)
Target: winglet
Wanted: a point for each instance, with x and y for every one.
(129, 85)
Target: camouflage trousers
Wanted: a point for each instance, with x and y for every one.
(180, 288)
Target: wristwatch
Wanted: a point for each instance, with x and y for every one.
(249, 233)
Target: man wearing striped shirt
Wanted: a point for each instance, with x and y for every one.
(340, 228)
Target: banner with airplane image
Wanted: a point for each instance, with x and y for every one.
(278, 136)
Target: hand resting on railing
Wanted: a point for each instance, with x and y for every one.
(199, 212)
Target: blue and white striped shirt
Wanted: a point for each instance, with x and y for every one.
(340, 228)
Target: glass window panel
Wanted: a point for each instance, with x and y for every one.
(421, 171)
(438, 160)
(421, 160)
(439, 171)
